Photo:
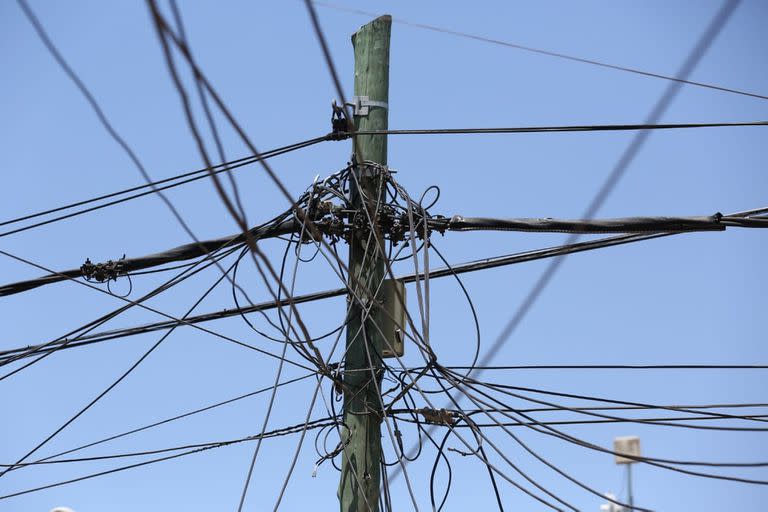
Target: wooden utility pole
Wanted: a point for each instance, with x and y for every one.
(360, 466)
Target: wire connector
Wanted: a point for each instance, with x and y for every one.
(108, 271)
(339, 124)
(438, 416)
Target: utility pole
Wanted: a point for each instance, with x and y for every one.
(361, 458)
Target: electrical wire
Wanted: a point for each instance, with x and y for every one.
(122, 376)
(169, 420)
(541, 51)
(191, 177)
(284, 431)
(556, 129)
(695, 56)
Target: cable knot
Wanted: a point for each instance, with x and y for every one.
(100, 272)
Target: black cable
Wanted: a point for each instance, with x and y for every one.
(700, 49)
(122, 376)
(440, 455)
(435, 368)
(493, 479)
(162, 31)
(180, 253)
(650, 421)
(167, 36)
(716, 222)
(275, 433)
(470, 303)
(503, 387)
(471, 266)
(615, 367)
(648, 460)
(62, 342)
(171, 419)
(196, 175)
(556, 129)
(698, 52)
(209, 117)
(537, 457)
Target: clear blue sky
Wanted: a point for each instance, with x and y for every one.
(695, 298)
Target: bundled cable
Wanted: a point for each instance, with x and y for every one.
(124, 266)
(716, 222)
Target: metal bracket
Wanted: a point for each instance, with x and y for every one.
(362, 104)
(370, 169)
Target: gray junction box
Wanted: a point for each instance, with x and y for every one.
(392, 296)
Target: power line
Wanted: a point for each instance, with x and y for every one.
(199, 248)
(472, 266)
(630, 153)
(666, 228)
(275, 433)
(122, 376)
(717, 222)
(190, 177)
(63, 342)
(110, 129)
(616, 367)
(64, 65)
(621, 167)
(172, 419)
(567, 128)
(540, 51)
(167, 36)
(660, 421)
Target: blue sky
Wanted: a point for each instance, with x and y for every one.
(695, 298)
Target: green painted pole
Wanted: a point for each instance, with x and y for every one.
(360, 465)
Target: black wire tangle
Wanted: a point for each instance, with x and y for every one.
(398, 200)
(329, 187)
(286, 338)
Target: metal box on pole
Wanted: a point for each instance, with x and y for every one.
(392, 296)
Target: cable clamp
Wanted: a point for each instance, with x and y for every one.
(369, 169)
(438, 416)
(101, 272)
(338, 123)
(362, 104)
